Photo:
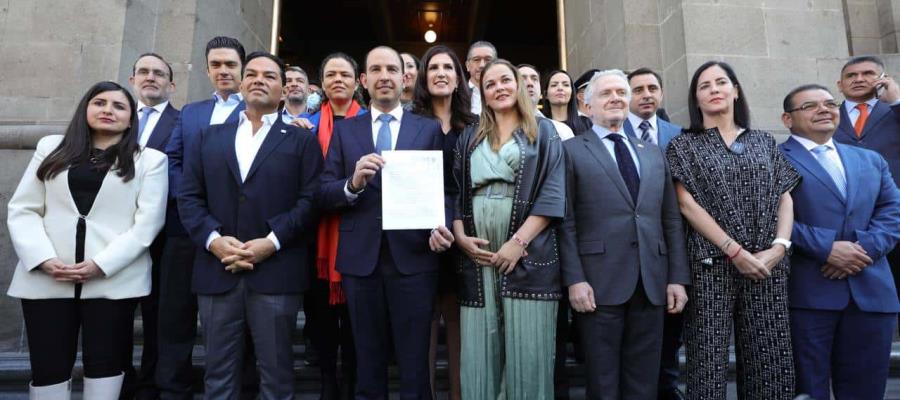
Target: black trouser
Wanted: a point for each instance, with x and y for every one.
(330, 329)
(671, 343)
(142, 383)
(52, 327)
(177, 321)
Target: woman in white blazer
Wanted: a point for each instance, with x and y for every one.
(81, 221)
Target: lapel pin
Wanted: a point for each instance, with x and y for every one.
(283, 131)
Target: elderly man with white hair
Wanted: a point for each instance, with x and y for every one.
(622, 246)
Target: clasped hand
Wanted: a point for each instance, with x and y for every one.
(504, 259)
(238, 256)
(759, 265)
(846, 259)
(76, 273)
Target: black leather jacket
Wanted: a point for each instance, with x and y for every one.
(539, 190)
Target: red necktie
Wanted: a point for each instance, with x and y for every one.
(861, 120)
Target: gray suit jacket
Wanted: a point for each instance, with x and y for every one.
(609, 241)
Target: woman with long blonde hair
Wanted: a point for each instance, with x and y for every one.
(511, 177)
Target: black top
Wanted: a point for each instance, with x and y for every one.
(448, 259)
(740, 186)
(85, 180)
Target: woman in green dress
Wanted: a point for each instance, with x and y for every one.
(511, 176)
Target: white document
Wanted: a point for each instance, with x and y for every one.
(412, 189)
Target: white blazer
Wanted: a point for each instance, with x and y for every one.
(123, 221)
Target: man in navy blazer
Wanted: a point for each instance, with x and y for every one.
(152, 83)
(389, 277)
(646, 98)
(246, 200)
(861, 78)
(846, 219)
(178, 321)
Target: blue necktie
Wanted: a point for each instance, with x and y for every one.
(820, 152)
(145, 115)
(626, 165)
(645, 131)
(383, 142)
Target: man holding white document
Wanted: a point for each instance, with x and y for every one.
(389, 276)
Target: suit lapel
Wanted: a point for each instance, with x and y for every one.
(878, 112)
(163, 129)
(227, 136)
(365, 131)
(629, 130)
(598, 150)
(805, 159)
(409, 130)
(277, 134)
(233, 117)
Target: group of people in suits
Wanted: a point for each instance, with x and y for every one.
(241, 207)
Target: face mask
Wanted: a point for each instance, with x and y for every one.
(313, 101)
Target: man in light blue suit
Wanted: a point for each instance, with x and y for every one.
(846, 219)
(646, 97)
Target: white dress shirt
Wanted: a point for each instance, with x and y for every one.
(832, 154)
(611, 145)
(152, 119)
(246, 146)
(224, 107)
(394, 126)
(476, 98)
(636, 122)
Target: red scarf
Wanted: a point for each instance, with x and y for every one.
(326, 253)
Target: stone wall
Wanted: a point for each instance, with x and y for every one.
(773, 45)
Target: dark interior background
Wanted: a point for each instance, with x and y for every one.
(523, 32)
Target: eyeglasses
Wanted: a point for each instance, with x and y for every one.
(810, 106)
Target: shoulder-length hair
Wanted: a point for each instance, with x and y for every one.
(487, 127)
(572, 119)
(76, 145)
(460, 101)
(741, 109)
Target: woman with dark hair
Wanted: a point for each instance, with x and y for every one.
(733, 187)
(325, 304)
(441, 94)
(511, 177)
(81, 222)
(559, 101)
(411, 67)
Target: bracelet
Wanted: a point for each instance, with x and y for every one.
(727, 244)
(731, 257)
(520, 241)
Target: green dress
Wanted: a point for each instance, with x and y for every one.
(507, 349)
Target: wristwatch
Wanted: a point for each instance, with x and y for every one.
(784, 242)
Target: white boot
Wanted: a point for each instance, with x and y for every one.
(59, 391)
(103, 388)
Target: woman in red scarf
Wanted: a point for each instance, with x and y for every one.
(325, 305)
